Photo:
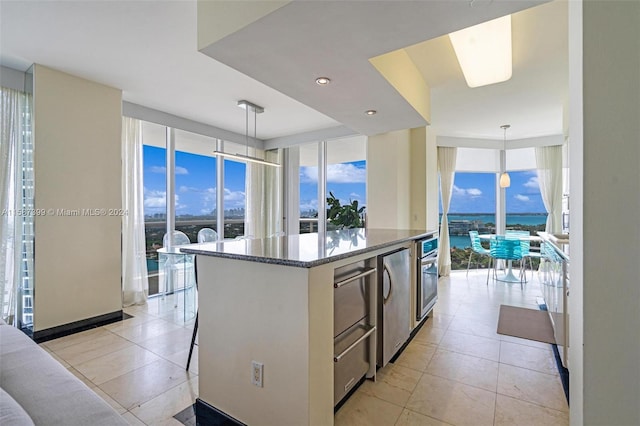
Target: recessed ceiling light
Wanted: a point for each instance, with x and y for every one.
(322, 81)
(371, 112)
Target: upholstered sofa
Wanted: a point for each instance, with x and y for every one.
(35, 389)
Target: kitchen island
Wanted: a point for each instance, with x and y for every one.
(271, 301)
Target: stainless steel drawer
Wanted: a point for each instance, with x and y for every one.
(351, 367)
(350, 301)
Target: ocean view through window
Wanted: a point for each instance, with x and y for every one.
(473, 208)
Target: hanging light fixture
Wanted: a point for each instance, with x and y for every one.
(256, 109)
(505, 180)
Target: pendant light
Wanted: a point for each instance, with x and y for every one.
(256, 109)
(505, 180)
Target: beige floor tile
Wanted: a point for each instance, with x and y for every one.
(133, 420)
(180, 359)
(112, 402)
(394, 384)
(467, 369)
(168, 422)
(365, 410)
(169, 403)
(82, 378)
(526, 342)
(429, 334)
(482, 328)
(468, 344)
(168, 343)
(138, 319)
(101, 345)
(511, 411)
(110, 366)
(144, 383)
(416, 356)
(64, 363)
(73, 339)
(411, 418)
(439, 320)
(532, 386)
(147, 330)
(538, 359)
(452, 402)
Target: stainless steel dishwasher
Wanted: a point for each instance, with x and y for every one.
(394, 278)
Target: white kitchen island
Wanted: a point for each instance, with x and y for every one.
(272, 301)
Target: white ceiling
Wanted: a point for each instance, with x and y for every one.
(148, 49)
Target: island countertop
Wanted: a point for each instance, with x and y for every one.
(307, 250)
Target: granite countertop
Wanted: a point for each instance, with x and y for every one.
(307, 250)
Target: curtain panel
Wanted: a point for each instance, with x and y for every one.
(447, 170)
(549, 165)
(11, 131)
(264, 197)
(135, 282)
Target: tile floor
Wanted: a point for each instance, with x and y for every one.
(456, 371)
(459, 371)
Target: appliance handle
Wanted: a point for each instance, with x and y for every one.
(338, 357)
(367, 271)
(430, 259)
(384, 299)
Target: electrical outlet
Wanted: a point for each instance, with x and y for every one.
(257, 369)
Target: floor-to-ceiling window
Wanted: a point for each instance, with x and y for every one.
(472, 208)
(308, 187)
(345, 179)
(235, 175)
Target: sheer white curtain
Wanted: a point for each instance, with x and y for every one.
(264, 197)
(135, 283)
(549, 165)
(447, 170)
(11, 133)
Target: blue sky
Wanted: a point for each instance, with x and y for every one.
(196, 189)
(476, 193)
(347, 181)
(195, 183)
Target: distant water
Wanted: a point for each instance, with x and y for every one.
(462, 241)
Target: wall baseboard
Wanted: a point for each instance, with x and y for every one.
(77, 326)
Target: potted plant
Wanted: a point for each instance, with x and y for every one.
(344, 216)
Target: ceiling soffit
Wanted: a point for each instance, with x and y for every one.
(290, 47)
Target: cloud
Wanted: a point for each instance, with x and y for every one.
(532, 183)
(308, 205)
(521, 197)
(161, 169)
(336, 173)
(157, 200)
(354, 196)
(462, 192)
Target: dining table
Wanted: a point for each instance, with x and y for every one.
(509, 276)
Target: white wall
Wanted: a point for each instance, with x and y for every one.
(77, 131)
(388, 180)
(605, 207)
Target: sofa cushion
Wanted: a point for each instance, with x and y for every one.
(47, 391)
(11, 413)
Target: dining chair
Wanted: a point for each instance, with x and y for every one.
(503, 248)
(177, 264)
(206, 235)
(525, 246)
(476, 247)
